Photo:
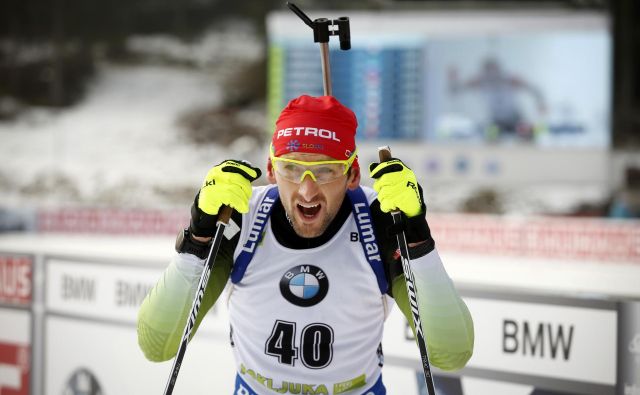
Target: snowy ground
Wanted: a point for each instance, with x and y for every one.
(122, 145)
(121, 140)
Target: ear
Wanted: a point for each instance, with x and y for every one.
(354, 178)
(271, 175)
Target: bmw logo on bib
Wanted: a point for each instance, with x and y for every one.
(304, 285)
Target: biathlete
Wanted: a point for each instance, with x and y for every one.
(311, 264)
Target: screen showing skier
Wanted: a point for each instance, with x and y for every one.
(505, 78)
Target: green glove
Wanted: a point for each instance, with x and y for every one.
(397, 187)
(228, 183)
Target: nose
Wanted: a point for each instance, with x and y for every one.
(308, 188)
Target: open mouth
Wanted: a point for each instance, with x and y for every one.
(309, 211)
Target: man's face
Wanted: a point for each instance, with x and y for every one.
(311, 206)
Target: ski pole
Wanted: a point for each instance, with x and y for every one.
(223, 220)
(321, 32)
(385, 154)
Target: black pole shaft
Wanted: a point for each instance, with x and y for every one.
(385, 154)
(413, 300)
(195, 307)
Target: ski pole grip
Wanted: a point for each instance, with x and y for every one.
(225, 214)
(384, 153)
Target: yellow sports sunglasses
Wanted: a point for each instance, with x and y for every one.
(322, 172)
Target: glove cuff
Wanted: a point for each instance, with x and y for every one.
(417, 229)
(185, 244)
(202, 224)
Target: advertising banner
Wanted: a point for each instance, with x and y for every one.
(15, 352)
(520, 347)
(94, 358)
(78, 336)
(546, 341)
(91, 339)
(100, 291)
(105, 291)
(16, 279)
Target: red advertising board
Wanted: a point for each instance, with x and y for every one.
(567, 238)
(16, 279)
(15, 361)
(563, 238)
(112, 221)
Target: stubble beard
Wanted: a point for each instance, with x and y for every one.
(310, 230)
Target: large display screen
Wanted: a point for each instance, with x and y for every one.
(539, 79)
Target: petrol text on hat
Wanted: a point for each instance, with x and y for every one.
(307, 131)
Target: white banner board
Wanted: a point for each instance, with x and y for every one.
(99, 291)
(559, 342)
(107, 358)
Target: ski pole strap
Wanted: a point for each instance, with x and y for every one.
(366, 234)
(255, 235)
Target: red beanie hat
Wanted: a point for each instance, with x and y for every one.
(318, 125)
